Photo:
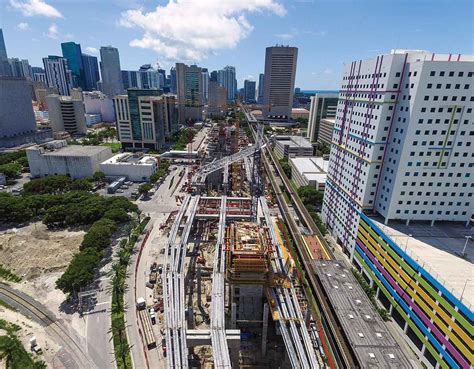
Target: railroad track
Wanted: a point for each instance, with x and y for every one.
(80, 355)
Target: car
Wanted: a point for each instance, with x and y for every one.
(119, 190)
(152, 316)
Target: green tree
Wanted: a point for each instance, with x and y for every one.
(10, 170)
(310, 195)
(98, 177)
(286, 167)
(116, 214)
(81, 271)
(83, 184)
(144, 188)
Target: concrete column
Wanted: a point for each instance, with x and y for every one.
(233, 315)
(264, 329)
(408, 222)
(433, 223)
(385, 221)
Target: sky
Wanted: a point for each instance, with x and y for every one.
(216, 33)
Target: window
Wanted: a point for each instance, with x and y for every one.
(429, 85)
(451, 74)
(432, 73)
(427, 98)
(441, 74)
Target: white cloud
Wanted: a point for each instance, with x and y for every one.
(23, 26)
(53, 31)
(30, 8)
(92, 50)
(285, 36)
(193, 29)
(328, 71)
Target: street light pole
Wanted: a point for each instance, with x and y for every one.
(406, 244)
(463, 253)
(464, 288)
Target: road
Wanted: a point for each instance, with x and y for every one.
(73, 354)
(158, 207)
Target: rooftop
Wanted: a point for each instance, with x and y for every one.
(294, 141)
(60, 148)
(299, 110)
(369, 337)
(131, 159)
(437, 249)
(313, 168)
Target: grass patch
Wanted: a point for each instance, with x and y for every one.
(115, 146)
(8, 275)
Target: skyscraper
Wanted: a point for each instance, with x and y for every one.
(4, 65)
(173, 80)
(227, 78)
(205, 85)
(16, 111)
(145, 118)
(249, 91)
(322, 106)
(67, 113)
(20, 68)
(39, 75)
(279, 81)
(217, 100)
(110, 71)
(73, 54)
(261, 79)
(190, 92)
(58, 74)
(91, 72)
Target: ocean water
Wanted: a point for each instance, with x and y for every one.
(312, 92)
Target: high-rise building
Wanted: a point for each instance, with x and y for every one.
(20, 68)
(402, 142)
(110, 71)
(4, 65)
(143, 79)
(16, 111)
(261, 78)
(402, 153)
(73, 54)
(323, 105)
(58, 74)
(279, 81)
(249, 91)
(145, 118)
(214, 76)
(67, 114)
(161, 78)
(217, 100)
(173, 89)
(91, 72)
(39, 75)
(189, 91)
(227, 78)
(205, 85)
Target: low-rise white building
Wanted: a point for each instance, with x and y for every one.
(57, 157)
(290, 146)
(136, 167)
(309, 171)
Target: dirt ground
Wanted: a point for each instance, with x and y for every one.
(28, 330)
(34, 250)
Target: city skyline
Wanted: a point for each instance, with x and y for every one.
(271, 22)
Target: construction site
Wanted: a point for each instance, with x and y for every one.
(231, 291)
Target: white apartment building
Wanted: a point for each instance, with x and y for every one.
(403, 141)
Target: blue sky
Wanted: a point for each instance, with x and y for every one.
(214, 33)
